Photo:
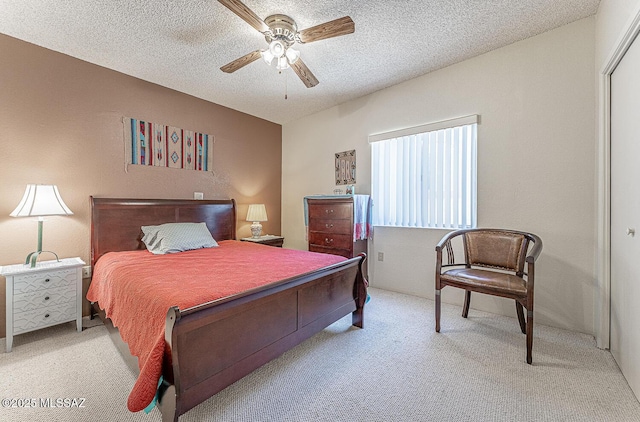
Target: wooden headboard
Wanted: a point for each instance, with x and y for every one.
(115, 223)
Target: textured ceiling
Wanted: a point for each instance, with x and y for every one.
(181, 44)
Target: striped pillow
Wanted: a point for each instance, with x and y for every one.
(177, 237)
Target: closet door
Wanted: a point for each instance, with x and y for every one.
(625, 215)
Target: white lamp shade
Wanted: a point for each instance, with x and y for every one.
(282, 63)
(257, 212)
(277, 48)
(41, 200)
(292, 55)
(267, 56)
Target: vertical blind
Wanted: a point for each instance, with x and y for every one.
(426, 176)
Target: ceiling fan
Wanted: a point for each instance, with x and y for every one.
(281, 32)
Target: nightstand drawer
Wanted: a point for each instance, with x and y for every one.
(273, 242)
(331, 240)
(26, 283)
(44, 298)
(331, 211)
(40, 318)
(330, 226)
(269, 240)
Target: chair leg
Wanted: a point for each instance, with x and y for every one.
(529, 334)
(520, 312)
(437, 311)
(467, 302)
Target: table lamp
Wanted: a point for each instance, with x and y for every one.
(256, 214)
(40, 201)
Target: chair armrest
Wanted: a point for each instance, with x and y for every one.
(448, 237)
(535, 251)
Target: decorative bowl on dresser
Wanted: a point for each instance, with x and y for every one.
(331, 226)
(39, 297)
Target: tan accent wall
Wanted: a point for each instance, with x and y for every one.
(61, 123)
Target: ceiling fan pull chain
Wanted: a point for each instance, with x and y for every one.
(285, 83)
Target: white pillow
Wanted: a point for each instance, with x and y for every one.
(177, 237)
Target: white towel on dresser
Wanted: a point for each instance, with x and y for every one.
(362, 227)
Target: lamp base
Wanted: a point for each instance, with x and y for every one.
(32, 258)
(256, 229)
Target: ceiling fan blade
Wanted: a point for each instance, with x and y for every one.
(241, 62)
(334, 28)
(246, 14)
(304, 73)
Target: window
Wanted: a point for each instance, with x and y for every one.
(426, 176)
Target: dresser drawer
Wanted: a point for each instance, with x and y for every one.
(26, 283)
(331, 211)
(43, 317)
(44, 298)
(333, 251)
(331, 240)
(330, 226)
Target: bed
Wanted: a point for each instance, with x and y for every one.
(257, 325)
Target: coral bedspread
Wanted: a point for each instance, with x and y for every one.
(136, 289)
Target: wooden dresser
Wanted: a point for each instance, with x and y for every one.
(331, 227)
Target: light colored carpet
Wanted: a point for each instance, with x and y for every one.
(396, 369)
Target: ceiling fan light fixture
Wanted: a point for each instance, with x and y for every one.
(292, 55)
(277, 48)
(281, 32)
(267, 56)
(282, 63)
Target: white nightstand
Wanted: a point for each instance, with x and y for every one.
(49, 294)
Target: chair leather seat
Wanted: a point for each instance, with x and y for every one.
(505, 283)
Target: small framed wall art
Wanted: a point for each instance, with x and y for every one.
(346, 167)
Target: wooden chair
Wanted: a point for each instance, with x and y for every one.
(494, 264)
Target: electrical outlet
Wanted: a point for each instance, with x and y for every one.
(86, 272)
(380, 256)
(198, 195)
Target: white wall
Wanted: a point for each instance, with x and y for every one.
(536, 165)
(613, 16)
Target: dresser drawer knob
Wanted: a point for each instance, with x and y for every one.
(329, 211)
(328, 226)
(327, 240)
(46, 280)
(46, 298)
(46, 315)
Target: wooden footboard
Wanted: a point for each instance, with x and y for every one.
(216, 344)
